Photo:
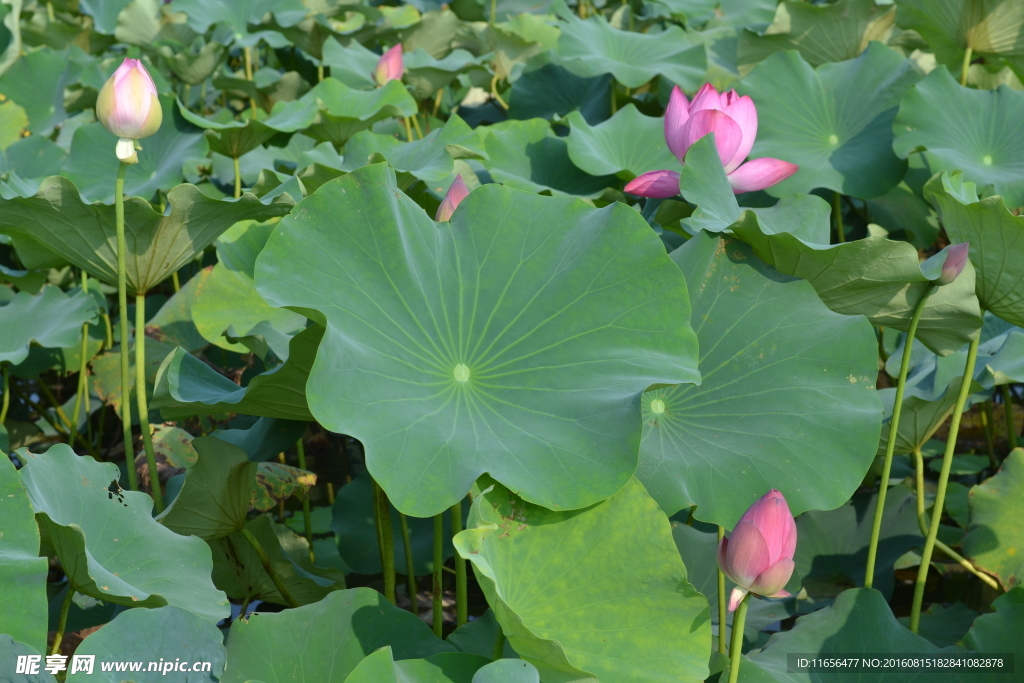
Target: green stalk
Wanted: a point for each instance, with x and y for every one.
(7, 394)
(143, 402)
(63, 622)
(238, 179)
(990, 439)
(940, 493)
(894, 425)
(722, 607)
(494, 11)
(1011, 427)
(83, 383)
(438, 564)
(410, 570)
(922, 523)
(265, 561)
(837, 211)
(499, 645)
(45, 391)
(176, 282)
(109, 339)
(461, 598)
(308, 521)
(966, 66)
(736, 651)
(122, 302)
(387, 541)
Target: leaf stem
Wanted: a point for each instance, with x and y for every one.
(940, 492)
(987, 424)
(837, 213)
(387, 541)
(416, 124)
(461, 597)
(438, 616)
(143, 402)
(1011, 427)
(494, 11)
(408, 129)
(736, 651)
(248, 77)
(410, 570)
(723, 613)
(494, 92)
(83, 381)
(300, 450)
(499, 644)
(122, 303)
(176, 282)
(7, 393)
(265, 561)
(63, 621)
(238, 178)
(966, 66)
(894, 425)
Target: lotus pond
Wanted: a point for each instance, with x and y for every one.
(505, 342)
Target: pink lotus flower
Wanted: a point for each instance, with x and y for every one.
(456, 193)
(128, 106)
(956, 260)
(389, 66)
(733, 120)
(758, 557)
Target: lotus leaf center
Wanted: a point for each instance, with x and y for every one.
(987, 160)
(657, 406)
(461, 372)
(833, 139)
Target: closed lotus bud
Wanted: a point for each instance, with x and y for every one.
(389, 66)
(956, 260)
(456, 193)
(128, 106)
(758, 556)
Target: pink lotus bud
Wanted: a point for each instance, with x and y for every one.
(389, 66)
(456, 193)
(128, 106)
(956, 259)
(758, 557)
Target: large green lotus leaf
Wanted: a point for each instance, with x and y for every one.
(31, 159)
(628, 143)
(552, 89)
(355, 531)
(946, 626)
(238, 14)
(831, 555)
(779, 370)
(996, 237)
(50, 318)
(214, 500)
(921, 416)
(13, 120)
(173, 323)
(235, 138)
(351, 64)
(107, 541)
(85, 235)
(507, 671)
(238, 570)
(835, 121)
(36, 83)
(999, 631)
(592, 47)
(431, 159)
(107, 372)
(186, 386)
(22, 571)
(472, 346)
(988, 27)
(229, 298)
(527, 155)
(478, 636)
(995, 539)
(859, 622)
(325, 641)
(446, 667)
(92, 166)
(425, 75)
(555, 582)
(974, 131)
(345, 111)
(820, 33)
(103, 12)
(265, 439)
(11, 650)
(875, 277)
(167, 633)
(901, 211)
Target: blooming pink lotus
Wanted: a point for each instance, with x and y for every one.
(128, 106)
(733, 120)
(389, 66)
(758, 557)
(456, 193)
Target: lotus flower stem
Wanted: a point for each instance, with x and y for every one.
(722, 605)
(416, 124)
(940, 492)
(175, 282)
(438, 615)
(494, 92)
(238, 178)
(122, 304)
(1011, 427)
(837, 211)
(387, 541)
(965, 68)
(61, 415)
(7, 393)
(248, 77)
(499, 645)
(461, 604)
(894, 425)
(408, 129)
(83, 380)
(269, 568)
(437, 101)
(986, 423)
(319, 72)
(494, 12)
(736, 650)
(410, 569)
(922, 522)
(63, 622)
(143, 402)
(109, 329)
(300, 451)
